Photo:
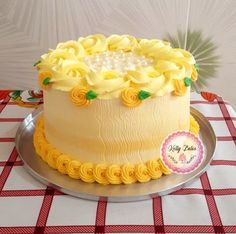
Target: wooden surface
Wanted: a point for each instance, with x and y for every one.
(29, 27)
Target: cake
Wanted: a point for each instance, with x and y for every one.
(109, 102)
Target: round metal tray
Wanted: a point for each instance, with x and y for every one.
(115, 193)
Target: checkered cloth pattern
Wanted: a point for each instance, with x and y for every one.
(208, 205)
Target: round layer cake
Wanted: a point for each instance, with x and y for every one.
(108, 105)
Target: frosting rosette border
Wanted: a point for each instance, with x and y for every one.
(101, 173)
(64, 67)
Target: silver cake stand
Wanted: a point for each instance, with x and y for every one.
(115, 193)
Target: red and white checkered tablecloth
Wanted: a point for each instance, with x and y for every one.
(208, 205)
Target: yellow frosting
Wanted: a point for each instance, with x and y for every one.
(62, 163)
(107, 83)
(180, 88)
(94, 43)
(141, 173)
(67, 66)
(113, 174)
(78, 96)
(130, 97)
(128, 174)
(101, 173)
(194, 73)
(73, 47)
(122, 42)
(86, 172)
(73, 169)
(194, 127)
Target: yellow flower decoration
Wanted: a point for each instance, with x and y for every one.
(62, 163)
(141, 172)
(94, 43)
(100, 174)
(78, 96)
(163, 168)
(194, 75)
(194, 126)
(73, 169)
(44, 79)
(180, 88)
(86, 172)
(113, 174)
(52, 157)
(130, 97)
(122, 42)
(73, 47)
(154, 169)
(128, 174)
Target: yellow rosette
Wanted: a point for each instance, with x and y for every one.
(194, 74)
(78, 96)
(73, 47)
(154, 169)
(94, 43)
(54, 57)
(39, 148)
(122, 42)
(86, 172)
(68, 74)
(180, 88)
(40, 122)
(151, 80)
(152, 48)
(100, 174)
(183, 56)
(141, 173)
(46, 149)
(194, 126)
(130, 97)
(113, 174)
(128, 174)
(107, 83)
(52, 157)
(44, 79)
(73, 169)
(62, 163)
(163, 168)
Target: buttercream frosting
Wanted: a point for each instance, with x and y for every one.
(108, 65)
(127, 173)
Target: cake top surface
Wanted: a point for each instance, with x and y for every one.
(106, 66)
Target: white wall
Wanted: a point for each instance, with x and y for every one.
(29, 27)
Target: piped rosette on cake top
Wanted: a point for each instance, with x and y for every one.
(119, 66)
(109, 71)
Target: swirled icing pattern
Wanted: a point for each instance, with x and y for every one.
(101, 173)
(108, 65)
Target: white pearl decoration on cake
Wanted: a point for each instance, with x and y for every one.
(117, 60)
